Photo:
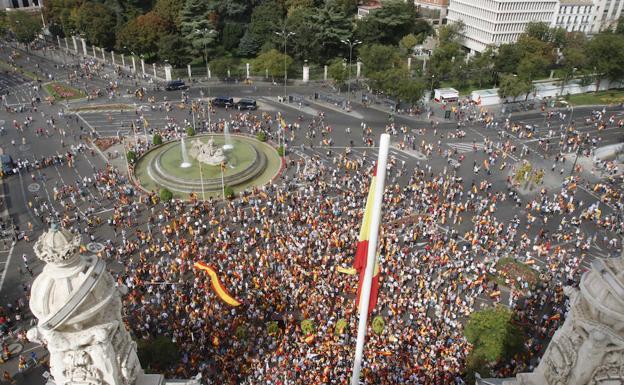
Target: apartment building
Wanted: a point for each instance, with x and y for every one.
(574, 15)
(496, 22)
(605, 14)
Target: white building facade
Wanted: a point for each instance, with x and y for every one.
(574, 15)
(17, 4)
(496, 22)
(605, 14)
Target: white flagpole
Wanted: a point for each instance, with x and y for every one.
(382, 161)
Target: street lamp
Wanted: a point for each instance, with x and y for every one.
(351, 44)
(285, 35)
(206, 32)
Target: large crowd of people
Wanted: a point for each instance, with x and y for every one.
(282, 250)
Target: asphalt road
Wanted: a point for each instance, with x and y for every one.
(24, 189)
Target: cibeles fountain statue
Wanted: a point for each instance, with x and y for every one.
(78, 307)
(589, 348)
(207, 153)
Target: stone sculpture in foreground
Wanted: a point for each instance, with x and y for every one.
(589, 348)
(78, 307)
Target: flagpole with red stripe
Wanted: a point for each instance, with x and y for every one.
(371, 255)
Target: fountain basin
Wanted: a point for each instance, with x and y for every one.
(249, 163)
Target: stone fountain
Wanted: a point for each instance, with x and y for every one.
(184, 154)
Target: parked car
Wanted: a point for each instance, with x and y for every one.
(175, 85)
(246, 104)
(223, 101)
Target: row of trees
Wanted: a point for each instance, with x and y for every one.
(181, 31)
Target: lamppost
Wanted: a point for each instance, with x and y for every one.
(285, 35)
(351, 44)
(206, 32)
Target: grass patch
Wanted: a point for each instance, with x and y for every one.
(508, 271)
(601, 97)
(9, 67)
(63, 91)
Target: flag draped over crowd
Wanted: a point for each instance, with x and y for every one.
(361, 252)
(216, 284)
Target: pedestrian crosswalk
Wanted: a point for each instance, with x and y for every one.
(463, 148)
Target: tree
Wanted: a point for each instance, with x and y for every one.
(514, 86)
(196, 19)
(25, 26)
(387, 25)
(449, 53)
(231, 35)
(142, 34)
(481, 67)
(619, 27)
(407, 43)
(98, 24)
(160, 353)
(272, 60)
(265, 20)
(165, 194)
(221, 65)
(337, 70)
(157, 140)
(377, 57)
(606, 54)
(494, 335)
(174, 49)
(169, 11)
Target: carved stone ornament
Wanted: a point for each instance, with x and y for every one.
(57, 245)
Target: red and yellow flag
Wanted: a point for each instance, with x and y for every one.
(216, 284)
(361, 253)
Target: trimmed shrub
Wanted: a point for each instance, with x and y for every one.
(341, 325)
(378, 324)
(190, 131)
(157, 139)
(280, 151)
(229, 192)
(131, 156)
(165, 195)
(272, 328)
(261, 136)
(307, 326)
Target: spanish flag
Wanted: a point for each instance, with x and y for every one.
(282, 121)
(361, 252)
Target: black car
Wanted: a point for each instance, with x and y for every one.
(246, 104)
(223, 101)
(175, 85)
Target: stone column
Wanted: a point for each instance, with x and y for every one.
(103, 54)
(306, 72)
(154, 67)
(209, 73)
(168, 72)
(133, 64)
(84, 46)
(247, 69)
(188, 69)
(93, 48)
(409, 63)
(58, 39)
(75, 44)
(325, 73)
(123, 60)
(143, 65)
(66, 44)
(358, 69)
(113, 57)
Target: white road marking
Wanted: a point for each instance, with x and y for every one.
(8, 261)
